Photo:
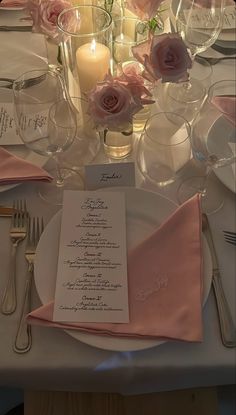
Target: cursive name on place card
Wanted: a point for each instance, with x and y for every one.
(92, 264)
(109, 175)
(203, 18)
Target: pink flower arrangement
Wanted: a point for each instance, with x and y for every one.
(144, 9)
(44, 14)
(113, 102)
(164, 57)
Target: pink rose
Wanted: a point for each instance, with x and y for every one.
(44, 14)
(144, 9)
(112, 106)
(164, 57)
(131, 77)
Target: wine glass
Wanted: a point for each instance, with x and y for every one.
(46, 123)
(171, 97)
(199, 23)
(213, 143)
(164, 148)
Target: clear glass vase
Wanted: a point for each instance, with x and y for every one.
(86, 47)
(117, 144)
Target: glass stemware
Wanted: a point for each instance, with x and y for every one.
(164, 148)
(213, 143)
(199, 23)
(46, 123)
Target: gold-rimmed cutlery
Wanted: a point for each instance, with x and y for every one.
(23, 340)
(18, 232)
(227, 328)
(6, 211)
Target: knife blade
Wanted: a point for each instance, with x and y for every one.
(227, 328)
(6, 211)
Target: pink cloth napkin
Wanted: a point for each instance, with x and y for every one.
(15, 170)
(226, 104)
(165, 284)
(13, 3)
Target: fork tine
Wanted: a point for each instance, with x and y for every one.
(231, 242)
(229, 233)
(33, 232)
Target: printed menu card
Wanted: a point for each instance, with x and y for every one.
(91, 281)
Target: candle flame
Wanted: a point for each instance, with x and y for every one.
(93, 45)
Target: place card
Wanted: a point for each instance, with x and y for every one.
(91, 281)
(8, 134)
(202, 18)
(109, 175)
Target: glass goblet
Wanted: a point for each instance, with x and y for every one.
(46, 124)
(199, 23)
(213, 143)
(164, 148)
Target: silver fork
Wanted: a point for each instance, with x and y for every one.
(23, 339)
(230, 237)
(18, 232)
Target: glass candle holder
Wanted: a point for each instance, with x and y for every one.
(86, 48)
(127, 32)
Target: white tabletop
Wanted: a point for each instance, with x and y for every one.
(59, 362)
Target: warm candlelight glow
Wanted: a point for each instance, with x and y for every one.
(93, 45)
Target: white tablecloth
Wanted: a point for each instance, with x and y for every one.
(59, 362)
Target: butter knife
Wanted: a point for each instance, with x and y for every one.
(6, 211)
(227, 328)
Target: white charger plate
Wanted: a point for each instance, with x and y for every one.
(145, 211)
(26, 154)
(217, 143)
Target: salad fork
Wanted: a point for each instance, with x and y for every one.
(23, 339)
(18, 232)
(230, 237)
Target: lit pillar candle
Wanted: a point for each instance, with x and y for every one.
(93, 61)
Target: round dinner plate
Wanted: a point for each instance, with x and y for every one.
(145, 211)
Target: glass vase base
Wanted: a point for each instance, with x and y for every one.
(211, 197)
(118, 145)
(53, 192)
(117, 152)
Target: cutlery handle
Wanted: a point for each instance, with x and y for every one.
(23, 340)
(15, 29)
(9, 297)
(228, 332)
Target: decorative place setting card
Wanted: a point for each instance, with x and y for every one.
(8, 134)
(91, 281)
(109, 175)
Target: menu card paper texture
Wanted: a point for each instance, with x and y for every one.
(92, 264)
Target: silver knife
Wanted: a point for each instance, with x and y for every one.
(15, 28)
(227, 328)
